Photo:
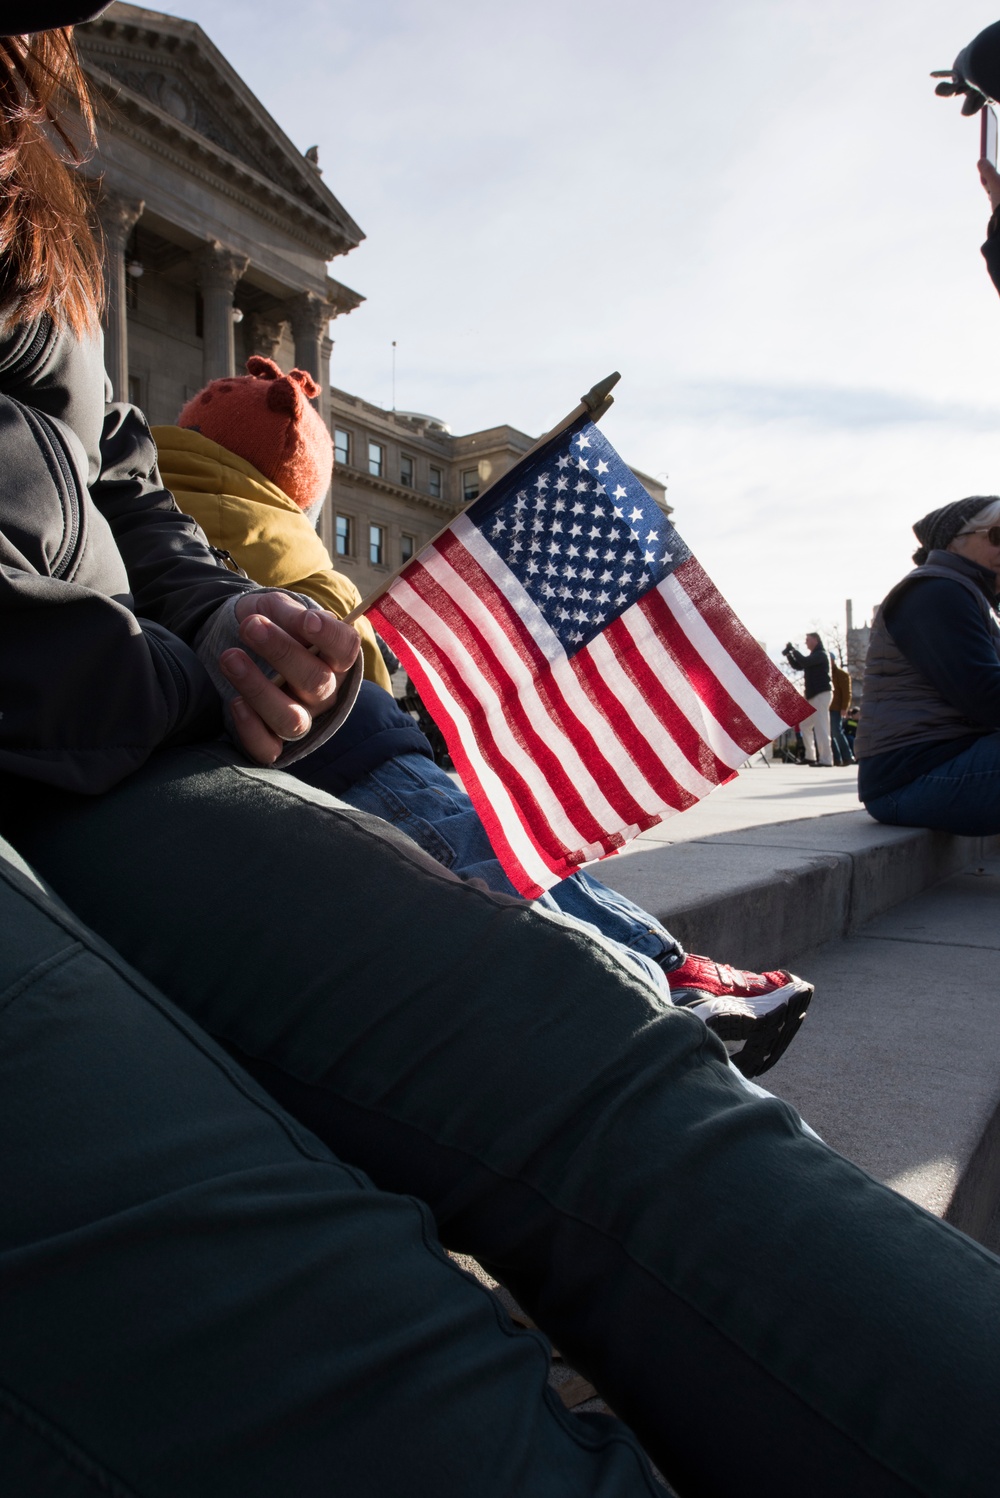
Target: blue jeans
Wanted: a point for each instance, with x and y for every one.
(223, 1288)
(960, 796)
(841, 748)
(417, 796)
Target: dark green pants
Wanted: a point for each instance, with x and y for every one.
(217, 1306)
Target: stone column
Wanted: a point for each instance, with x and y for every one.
(118, 217)
(309, 315)
(266, 334)
(325, 355)
(219, 269)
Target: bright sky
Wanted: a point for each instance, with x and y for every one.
(756, 210)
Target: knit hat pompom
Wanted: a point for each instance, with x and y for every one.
(937, 530)
(265, 417)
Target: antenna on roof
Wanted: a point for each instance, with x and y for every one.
(394, 374)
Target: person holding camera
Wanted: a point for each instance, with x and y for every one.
(818, 693)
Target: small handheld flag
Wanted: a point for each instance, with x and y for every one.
(587, 676)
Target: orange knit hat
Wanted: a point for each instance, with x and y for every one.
(265, 417)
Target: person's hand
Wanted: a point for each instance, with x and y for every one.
(990, 178)
(312, 650)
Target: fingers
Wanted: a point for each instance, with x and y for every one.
(309, 649)
(337, 643)
(303, 675)
(280, 714)
(257, 739)
(990, 178)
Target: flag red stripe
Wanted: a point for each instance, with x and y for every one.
(700, 675)
(651, 760)
(648, 684)
(736, 640)
(533, 813)
(523, 880)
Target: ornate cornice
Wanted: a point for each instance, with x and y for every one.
(341, 298)
(174, 67)
(194, 154)
(398, 491)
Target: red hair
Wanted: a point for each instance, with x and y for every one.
(49, 259)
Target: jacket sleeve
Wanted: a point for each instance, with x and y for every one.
(87, 689)
(939, 628)
(175, 577)
(796, 659)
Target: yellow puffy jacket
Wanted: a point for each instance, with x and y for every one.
(243, 513)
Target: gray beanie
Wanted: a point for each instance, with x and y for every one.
(936, 530)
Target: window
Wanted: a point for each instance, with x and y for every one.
(341, 446)
(376, 458)
(434, 483)
(342, 533)
(407, 546)
(406, 471)
(470, 484)
(376, 545)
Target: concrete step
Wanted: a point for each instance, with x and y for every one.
(898, 1063)
(761, 896)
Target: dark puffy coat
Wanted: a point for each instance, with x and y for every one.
(815, 665)
(104, 584)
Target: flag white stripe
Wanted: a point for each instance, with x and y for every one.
(490, 786)
(653, 730)
(535, 709)
(473, 681)
(739, 686)
(590, 717)
(684, 697)
(524, 606)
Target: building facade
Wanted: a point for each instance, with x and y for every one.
(218, 233)
(217, 230)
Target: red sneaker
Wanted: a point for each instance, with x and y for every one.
(755, 1014)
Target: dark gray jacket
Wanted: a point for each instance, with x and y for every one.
(815, 665)
(903, 706)
(104, 584)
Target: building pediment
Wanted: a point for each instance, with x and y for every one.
(164, 77)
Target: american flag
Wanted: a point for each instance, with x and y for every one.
(588, 677)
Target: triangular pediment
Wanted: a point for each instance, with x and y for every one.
(165, 73)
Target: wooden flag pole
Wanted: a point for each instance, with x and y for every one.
(593, 404)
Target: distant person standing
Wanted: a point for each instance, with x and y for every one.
(840, 706)
(818, 693)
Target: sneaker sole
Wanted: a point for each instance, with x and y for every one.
(765, 1037)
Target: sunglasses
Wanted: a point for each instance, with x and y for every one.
(991, 532)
